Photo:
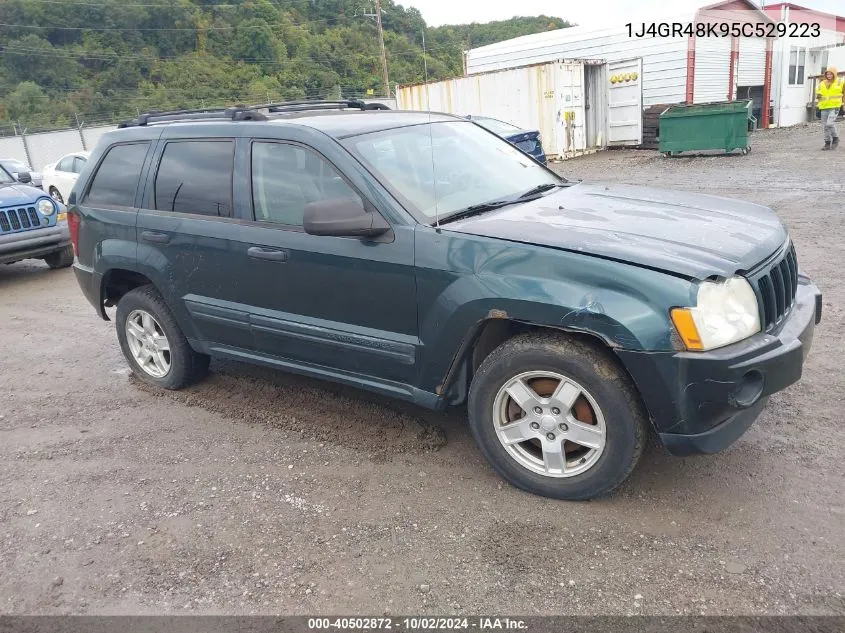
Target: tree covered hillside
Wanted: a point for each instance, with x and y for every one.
(101, 59)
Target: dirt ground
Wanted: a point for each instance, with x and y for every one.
(256, 492)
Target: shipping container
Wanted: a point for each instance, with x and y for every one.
(577, 106)
(664, 59)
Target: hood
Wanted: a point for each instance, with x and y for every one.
(18, 194)
(689, 234)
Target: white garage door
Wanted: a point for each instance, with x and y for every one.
(712, 69)
(752, 61)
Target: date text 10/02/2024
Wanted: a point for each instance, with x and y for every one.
(418, 623)
(722, 29)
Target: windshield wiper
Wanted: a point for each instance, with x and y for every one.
(497, 204)
(479, 208)
(540, 189)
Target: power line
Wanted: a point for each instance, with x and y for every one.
(130, 28)
(192, 28)
(107, 55)
(141, 5)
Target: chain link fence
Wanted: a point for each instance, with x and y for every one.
(39, 148)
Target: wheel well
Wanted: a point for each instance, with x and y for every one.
(490, 334)
(117, 282)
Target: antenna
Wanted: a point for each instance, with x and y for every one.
(430, 134)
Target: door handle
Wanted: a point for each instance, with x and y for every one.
(155, 237)
(273, 255)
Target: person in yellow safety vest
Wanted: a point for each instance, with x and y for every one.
(830, 92)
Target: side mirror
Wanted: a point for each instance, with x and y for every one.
(24, 177)
(342, 217)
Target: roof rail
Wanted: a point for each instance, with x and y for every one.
(234, 113)
(315, 104)
(248, 113)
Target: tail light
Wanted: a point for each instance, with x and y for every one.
(73, 225)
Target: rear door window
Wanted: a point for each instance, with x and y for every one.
(196, 177)
(116, 180)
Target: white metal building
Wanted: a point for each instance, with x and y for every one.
(676, 69)
(798, 59)
(664, 59)
(680, 69)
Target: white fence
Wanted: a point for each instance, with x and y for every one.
(39, 149)
(42, 148)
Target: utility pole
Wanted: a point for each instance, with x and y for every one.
(383, 53)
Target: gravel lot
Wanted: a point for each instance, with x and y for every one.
(256, 492)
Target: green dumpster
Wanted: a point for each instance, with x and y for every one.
(705, 126)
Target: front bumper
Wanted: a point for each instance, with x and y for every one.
(33, 244)
(702, 402)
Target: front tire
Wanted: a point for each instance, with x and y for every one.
(60, 259)
(557, 417)
(153, 344)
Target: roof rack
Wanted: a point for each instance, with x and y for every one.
(248, 113)
(304, 105)
(234, 113)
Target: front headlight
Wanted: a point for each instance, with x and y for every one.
(725, 312)
(46, 207)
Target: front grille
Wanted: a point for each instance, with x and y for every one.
(19, 219)
(777, 287)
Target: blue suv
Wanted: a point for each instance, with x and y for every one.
(32, 226)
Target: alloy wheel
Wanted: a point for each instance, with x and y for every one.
(549, 424)
(148, 343)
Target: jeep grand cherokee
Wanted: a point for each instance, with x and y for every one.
(421, 256)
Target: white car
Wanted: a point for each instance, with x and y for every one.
(58, 178)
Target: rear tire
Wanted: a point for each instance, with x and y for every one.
(581, 395)
(60, 259)
(145, 326)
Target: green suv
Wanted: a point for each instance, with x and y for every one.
(422, 257)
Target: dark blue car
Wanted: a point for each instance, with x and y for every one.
(527, 140)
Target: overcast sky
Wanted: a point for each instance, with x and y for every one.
(595, 13)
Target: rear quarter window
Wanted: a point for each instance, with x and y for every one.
(116, 180)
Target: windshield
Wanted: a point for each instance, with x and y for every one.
(441, 168)
(14, 165)
(5, 177)
(496, 126)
